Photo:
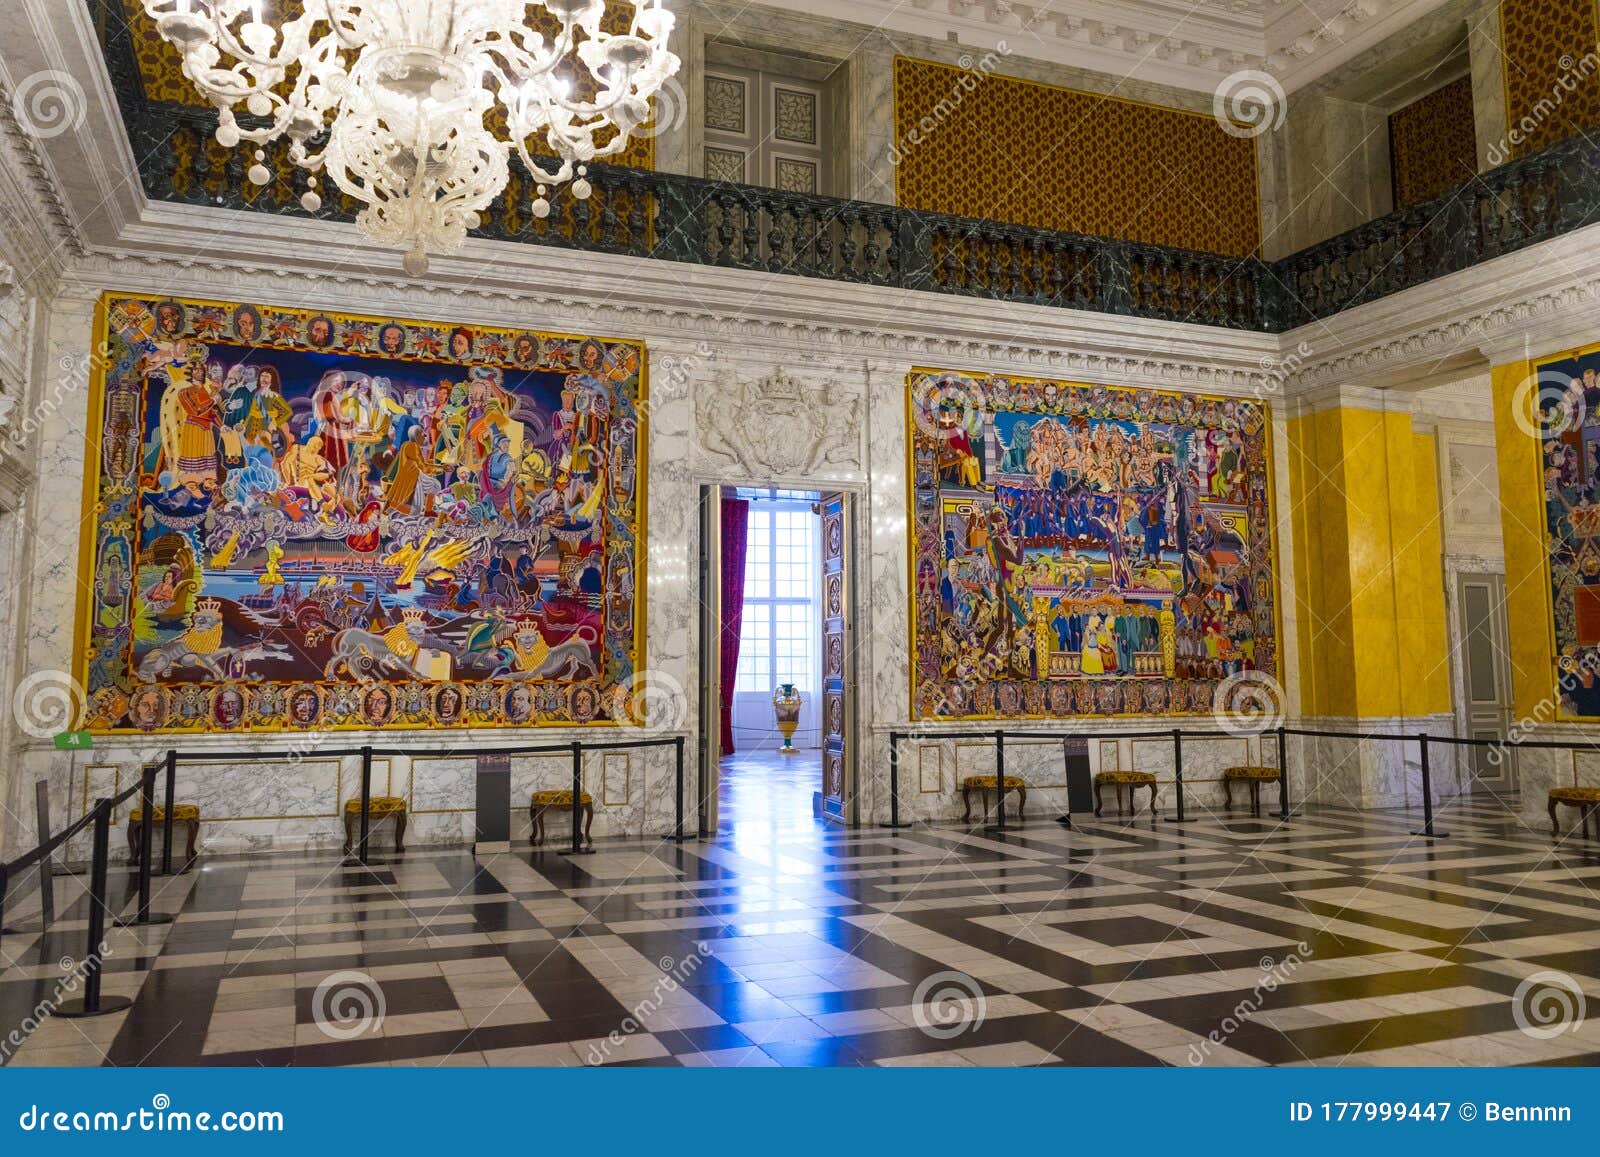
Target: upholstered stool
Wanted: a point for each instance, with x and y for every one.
(1251, 775)
(187, 814)
(1585, 799)
(985, 786)
(378, 807)
(1132, 780)
(543, 801)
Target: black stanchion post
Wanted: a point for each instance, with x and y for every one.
(92, 1003)
(366, 801)
(147, 802)
(577, 801)
(1427, 794)
(894, 783)
(999, 825)
(1283, 773)
(166, 835)
(677, 795)
(47, 871)
(1177, 772)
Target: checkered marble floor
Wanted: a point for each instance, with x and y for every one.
(1336, 939)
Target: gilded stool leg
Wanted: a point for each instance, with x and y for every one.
(1152, 798)
(966, 798)
(1022, 803)
(1227, 794)
(588, 822)
(1099, 803)
(400, 832)
(1555, 827)
(349, 831)
(194, 838)
(1255, 799)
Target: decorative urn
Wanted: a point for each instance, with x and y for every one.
(786, 707)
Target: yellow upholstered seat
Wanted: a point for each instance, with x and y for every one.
(1131, 780)
(1585, 799)
(986, 782)
(557, 798)
(187, 814)
(542, 801)
(1265, 774)
(1575, 794)
(378, 805)
(180, 813)
(1136, 777)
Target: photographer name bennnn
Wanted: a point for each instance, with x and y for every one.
(1379, 1112)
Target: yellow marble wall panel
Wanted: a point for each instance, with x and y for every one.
(1368, 585)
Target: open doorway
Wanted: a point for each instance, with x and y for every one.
(774, 691)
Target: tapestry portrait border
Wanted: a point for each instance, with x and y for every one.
(304, 520)
(1085, 550)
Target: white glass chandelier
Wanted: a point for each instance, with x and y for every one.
(407, 91)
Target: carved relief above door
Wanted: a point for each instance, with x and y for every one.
(780, 426)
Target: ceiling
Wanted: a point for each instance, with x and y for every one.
(1190, 44)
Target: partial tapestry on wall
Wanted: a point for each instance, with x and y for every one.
(312, 520)
(1569, 412)
(1085, 550)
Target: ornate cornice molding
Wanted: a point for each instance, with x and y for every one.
(1539, 300)
(35, 222)
(729, 307)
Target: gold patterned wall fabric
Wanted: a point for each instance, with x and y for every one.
(161, 69)
(1552, 72)
(1432, 144)
(976, 144)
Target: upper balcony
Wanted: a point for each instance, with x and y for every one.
(667, 216)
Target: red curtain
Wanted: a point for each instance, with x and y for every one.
(735, 534)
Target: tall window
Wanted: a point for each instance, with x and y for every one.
(778, 640)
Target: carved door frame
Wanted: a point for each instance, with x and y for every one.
(847, 808)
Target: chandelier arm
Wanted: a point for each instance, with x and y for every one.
(299, 29)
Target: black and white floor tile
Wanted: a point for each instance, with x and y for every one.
(1336, 939)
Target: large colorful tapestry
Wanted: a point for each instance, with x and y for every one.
(1568, 401)
(308, 520)
(1085, 550)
